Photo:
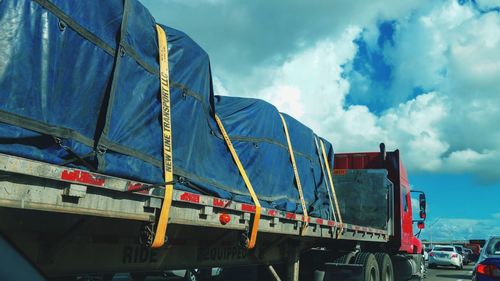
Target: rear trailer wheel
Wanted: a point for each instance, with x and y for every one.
(385, 266)
(371, 271)
(107, 277)
(138, 276)
(192, 275)
(346, 258)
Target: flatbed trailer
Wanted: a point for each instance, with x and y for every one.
(69, 221)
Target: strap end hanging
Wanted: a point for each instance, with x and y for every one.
(161, 228)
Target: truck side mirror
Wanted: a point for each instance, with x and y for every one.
(421, 200)
(423, 214)
(421, 225)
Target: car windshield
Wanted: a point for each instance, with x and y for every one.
(493, 247)
(443, 249)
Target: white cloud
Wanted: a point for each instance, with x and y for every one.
(447, 229)
(300, 60)
(309, 86)
(454, 50)
(429, 51)
(219, 88)
(412, 126)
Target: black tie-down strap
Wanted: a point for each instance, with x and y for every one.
(75, 157)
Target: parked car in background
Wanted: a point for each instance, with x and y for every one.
(461, 251)
(470, 254)
(476, 249)
(488, 266)
(445, 256)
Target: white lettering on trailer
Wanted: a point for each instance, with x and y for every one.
(138, 254)
(221, 253)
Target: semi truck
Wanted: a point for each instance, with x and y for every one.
(116, 156)
(71, 222)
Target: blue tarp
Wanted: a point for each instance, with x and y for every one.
(84, 75)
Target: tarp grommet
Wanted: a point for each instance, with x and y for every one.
(101, 149)
(122, 51)
(62, 25)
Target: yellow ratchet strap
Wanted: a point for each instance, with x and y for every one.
(258, 208)
(297, 178)
(328, 171)
(161, 228)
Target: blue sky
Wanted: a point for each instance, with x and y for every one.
(421, 76)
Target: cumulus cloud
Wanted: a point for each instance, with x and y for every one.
(447, 50)
(452, 49)
(241, 36)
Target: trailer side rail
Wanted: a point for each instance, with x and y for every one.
(70, 190)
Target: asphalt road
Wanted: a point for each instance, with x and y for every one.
(450, 273)
(436, 274)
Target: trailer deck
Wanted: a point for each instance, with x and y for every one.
(52, 212)
(29, 184)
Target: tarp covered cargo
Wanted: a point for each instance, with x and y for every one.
(81, 79)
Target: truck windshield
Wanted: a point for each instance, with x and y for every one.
(493, 247)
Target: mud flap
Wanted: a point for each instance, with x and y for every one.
(340, 271)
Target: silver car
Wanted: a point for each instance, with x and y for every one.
(445, 256)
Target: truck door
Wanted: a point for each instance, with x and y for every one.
(406, 220)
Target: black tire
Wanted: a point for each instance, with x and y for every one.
(371, 271)
(192, 275)
(108, 277)
(345, 259)
(63, 278)
(385, 267)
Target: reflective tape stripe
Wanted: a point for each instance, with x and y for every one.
(296, 173)
(168, 168)
(329, 173)
(258, 208)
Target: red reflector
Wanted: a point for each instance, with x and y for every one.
(224, 218)
(454, 255)
(431, 254)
